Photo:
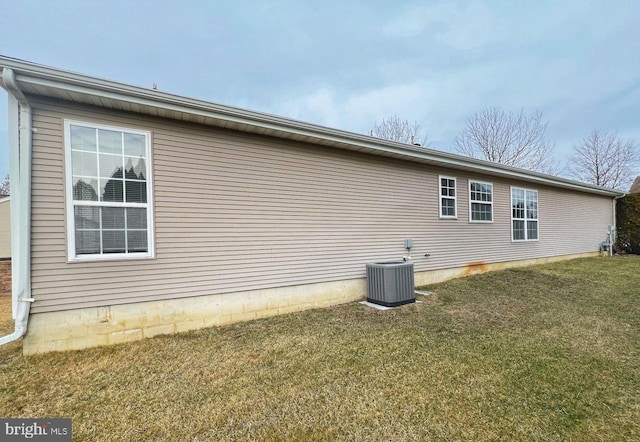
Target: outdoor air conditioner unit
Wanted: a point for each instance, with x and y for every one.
(390, 283)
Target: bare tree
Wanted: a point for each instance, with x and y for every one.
(5, 189)
(395, 129)
(604, 159)
(514, 139)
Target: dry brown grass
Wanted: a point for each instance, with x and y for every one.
(543, 353)
(6, 324)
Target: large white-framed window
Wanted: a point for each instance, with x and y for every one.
(480, 202)
(109, 192)
(524, 214)
(448, 204)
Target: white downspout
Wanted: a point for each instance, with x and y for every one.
(20, 157)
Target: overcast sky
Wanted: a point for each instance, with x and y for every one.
(347, 64)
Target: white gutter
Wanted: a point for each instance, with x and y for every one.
(20, 158)
(161, 100)
(44, 78)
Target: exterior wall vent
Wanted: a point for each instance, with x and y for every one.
(390, 283)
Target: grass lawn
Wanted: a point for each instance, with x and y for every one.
(547, 352)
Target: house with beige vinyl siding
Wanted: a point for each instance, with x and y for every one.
(145, 213)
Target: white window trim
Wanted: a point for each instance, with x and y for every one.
(537, 219)
(471, 220)
(71, 237)
(455, 198)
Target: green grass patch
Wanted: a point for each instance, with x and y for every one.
(546, 352)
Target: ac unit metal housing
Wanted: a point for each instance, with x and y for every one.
(390, 283)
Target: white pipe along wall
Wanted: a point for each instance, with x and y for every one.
(20, 136)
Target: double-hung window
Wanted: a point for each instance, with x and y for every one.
(108, 176)
(448, 202)
(480, 202)
(524, 214)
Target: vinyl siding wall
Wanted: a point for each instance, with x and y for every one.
(236, 212)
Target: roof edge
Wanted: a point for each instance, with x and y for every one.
(53, 77)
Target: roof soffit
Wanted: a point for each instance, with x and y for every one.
(51, 82)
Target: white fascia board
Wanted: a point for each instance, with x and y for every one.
(71, 82)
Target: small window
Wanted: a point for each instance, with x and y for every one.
(448, 203)
(108, 192)
(524, 214)
(480, 202)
